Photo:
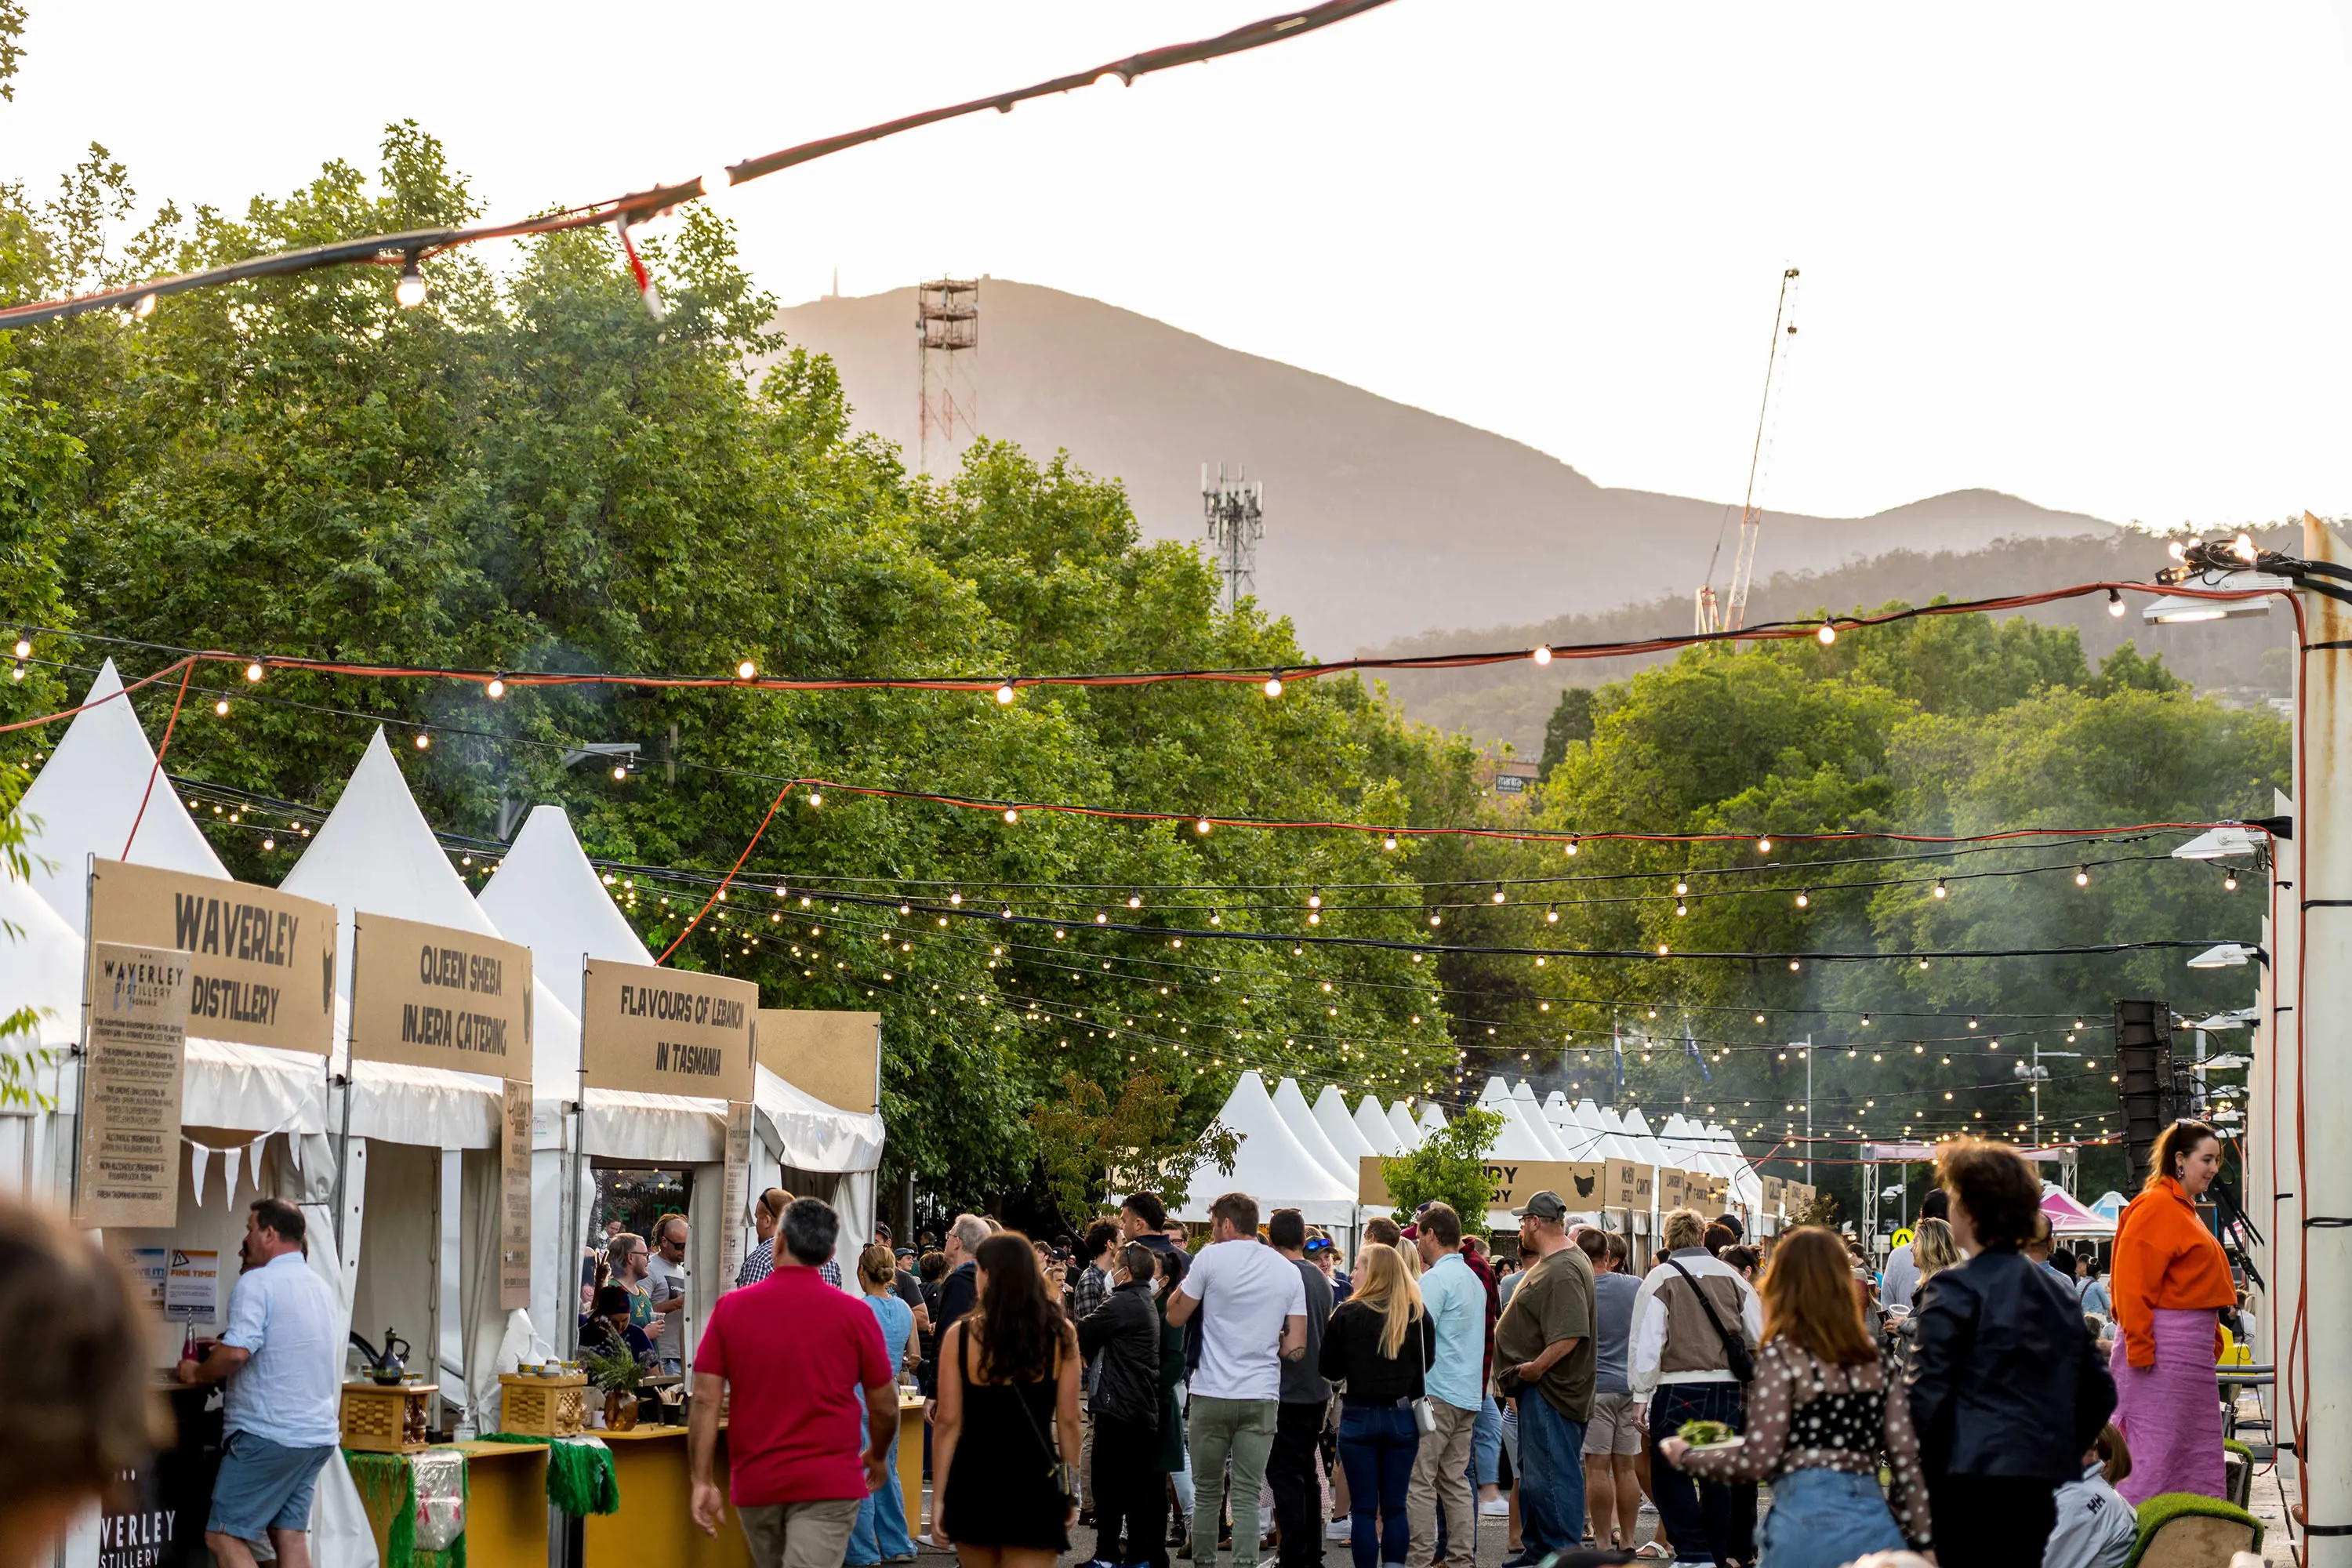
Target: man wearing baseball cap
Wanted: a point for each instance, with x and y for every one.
(1544, 1355)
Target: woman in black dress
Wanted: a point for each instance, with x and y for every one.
(1008, 1388)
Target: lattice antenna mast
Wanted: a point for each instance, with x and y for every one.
(1730, 613)
(947, 377)
(1235, 510)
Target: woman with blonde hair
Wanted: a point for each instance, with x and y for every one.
(1933, 1250)
(1820, 1412)
(1376, 1346)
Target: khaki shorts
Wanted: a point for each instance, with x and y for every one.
(1612, 1429)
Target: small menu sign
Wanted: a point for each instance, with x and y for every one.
(136, 1047)
(514, 1197)
(436, 996)
(667, 1031)
(1626, 1184)
(261, 963)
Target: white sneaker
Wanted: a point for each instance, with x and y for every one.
(1339, 1530)
(1495, 1508)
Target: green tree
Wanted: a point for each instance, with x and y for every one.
(1089, 1145)
(1571, 721)
(1448, 1167)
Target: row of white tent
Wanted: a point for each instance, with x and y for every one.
(1293, 1154)
(286, 1110)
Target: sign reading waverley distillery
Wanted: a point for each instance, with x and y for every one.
(436, 996)
(136, 1049)
(261, 963)
(667, 1031)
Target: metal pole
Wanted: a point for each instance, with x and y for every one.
(343, 1138)
(1809, 1110)
(81, 1047)
(2323, 846)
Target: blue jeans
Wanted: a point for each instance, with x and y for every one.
(1822, 1518)
(1377, 1442)
(1698, 1516)
(1486, 1445)
(881, 1528)
(1551, 1484)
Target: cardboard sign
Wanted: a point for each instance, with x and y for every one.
(435, 996)
(667, 1031)
(514, 1197)
(1774, 1191)
(1577, 1183)
(136, 1036)
(263, 962)
(735, 1188)
(833, 1056)
(1671, 1189)
(1627, 1183)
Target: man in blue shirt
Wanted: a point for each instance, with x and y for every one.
(1455, 1301)
(282, 1358)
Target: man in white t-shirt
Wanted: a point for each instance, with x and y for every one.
(1252, 1308)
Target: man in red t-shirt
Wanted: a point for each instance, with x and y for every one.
(794, 1353)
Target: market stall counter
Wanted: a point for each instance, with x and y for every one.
(655, 1523)
(505, 1505)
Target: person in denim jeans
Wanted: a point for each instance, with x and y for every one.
(1545, 1356)
(1821, 1412)
(1378, 1346)
(1679, 1364)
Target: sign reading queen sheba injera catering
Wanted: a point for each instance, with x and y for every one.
(437, 996)
(667, 1031)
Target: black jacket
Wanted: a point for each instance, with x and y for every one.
(2005, 1378)
(1122, 1338)
(959, 1293)
(1351, 1355)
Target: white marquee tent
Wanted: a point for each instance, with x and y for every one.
(1408, 1130)
(1517, 1138)
(1271, 1165)
(1290, 1103)
(1331, 1115)
(1372, 1124)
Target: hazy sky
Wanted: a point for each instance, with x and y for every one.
(2089, 253)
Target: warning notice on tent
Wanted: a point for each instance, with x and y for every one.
(514, 1197)
(435, 996)
(136, 1049)
(667, 1031)
(261, 963)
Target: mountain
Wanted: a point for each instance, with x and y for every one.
(1383, 520)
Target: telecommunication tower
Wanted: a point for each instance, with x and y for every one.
(1235, 510)
(947, 380)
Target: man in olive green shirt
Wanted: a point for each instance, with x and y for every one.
(1545, 1355)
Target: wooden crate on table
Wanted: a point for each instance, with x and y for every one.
(543, 1406)
(385, 1419)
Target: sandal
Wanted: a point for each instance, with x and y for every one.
(1651, 1551)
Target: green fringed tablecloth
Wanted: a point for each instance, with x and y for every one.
(387, 1486)
(580, 1478)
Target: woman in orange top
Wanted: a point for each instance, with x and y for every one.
(2171, 1279)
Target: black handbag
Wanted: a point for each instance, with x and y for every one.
(1736, 1356)
(1063, 1473)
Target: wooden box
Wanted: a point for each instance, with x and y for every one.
(385, 1418)
(543, 1406)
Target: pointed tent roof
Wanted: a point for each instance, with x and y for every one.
(1290, 1104)
(1580, 1142)
(548, 897)
(1408, 1130)
(1614, 1144)
(1433, 1120)
(2068, 1216)
(87, 797)
(375, 852)
(1331, 1115)
(1646, 1146)
(1523, 1099)
(1517, 1139)
(1271, 1165)
(1378, 1130)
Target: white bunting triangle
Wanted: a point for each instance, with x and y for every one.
(231, 1156)
(199, 1158)
(253, 1159)
(294, 1152)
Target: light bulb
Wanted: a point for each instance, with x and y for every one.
(1274, 685)
(816, 797)
(1941, 891)
(1135, 901)
(1004, 695)
(409, 292)
(1011, 815)
(2083, 876)
(221, 707)
(1763, 847)
(1803, 898)
(424, 742)
(2242, 547)
(1681, 888)
(269, 843)
(1571, 846)
(144, 307)
(495, 690)
(621, 772)
(253, 670)
(16, 672)
(1102, 917)
(2228, 881)
(1388, 842)
(1542, 655)
(24, 647)
(745, 670)
(1498, 893)
(1681, 907)
(2115, 603)
(2177, 550)
(1551, 915)
(1314, 901)
(1202, 826)
(954, 898)
(1828, 633)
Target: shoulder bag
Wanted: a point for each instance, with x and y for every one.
(1424, 1414)
(1737, 1358)
(1064, 1474)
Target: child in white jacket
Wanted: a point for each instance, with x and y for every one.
(2097, 1529)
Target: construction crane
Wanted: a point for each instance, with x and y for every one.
(1730, 613)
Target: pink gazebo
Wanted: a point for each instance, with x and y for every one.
(2069, 1218)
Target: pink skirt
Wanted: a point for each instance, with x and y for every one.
(2170, 1413)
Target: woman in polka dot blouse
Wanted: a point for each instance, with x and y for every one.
(1820, 1416)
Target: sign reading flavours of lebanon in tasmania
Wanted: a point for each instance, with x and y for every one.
(667, 1031)
(261, 963)
(436, 996)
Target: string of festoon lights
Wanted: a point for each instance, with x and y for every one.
(410, 249)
